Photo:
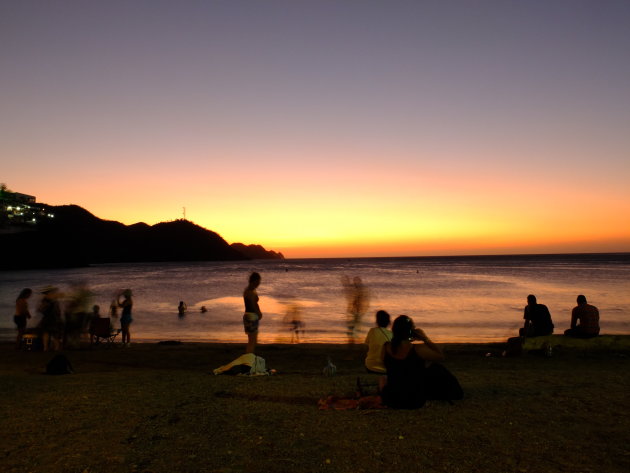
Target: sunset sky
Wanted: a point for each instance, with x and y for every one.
(328, 128)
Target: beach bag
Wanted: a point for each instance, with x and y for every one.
(59, 365)
(441, 384)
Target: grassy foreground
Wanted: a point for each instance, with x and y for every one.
(156, 408)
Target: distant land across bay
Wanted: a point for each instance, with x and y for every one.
(75, 237)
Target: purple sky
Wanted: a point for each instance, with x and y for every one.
(308, 126)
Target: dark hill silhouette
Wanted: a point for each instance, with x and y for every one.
(256, 251)
(75, 237)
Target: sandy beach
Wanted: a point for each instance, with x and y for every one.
(158, 408)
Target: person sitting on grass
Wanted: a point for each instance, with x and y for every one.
(375, 340)
(537, 319)
(413, 374)
(588, 317)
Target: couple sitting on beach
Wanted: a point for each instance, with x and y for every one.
(413, 374)
(584, 319)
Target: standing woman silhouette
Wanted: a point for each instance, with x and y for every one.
(252, 314)
(125, 317)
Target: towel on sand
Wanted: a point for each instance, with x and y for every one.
(247, 364)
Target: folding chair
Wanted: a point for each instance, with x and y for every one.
(101, 331)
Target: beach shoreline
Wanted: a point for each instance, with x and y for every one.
(157, 408)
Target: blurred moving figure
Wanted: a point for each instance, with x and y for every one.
(113, 309)
(77, 314)
(293, 321)
(51, 324)
(357, 298)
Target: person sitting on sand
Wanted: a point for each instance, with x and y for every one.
(375, 340)
(413, 376)
(537, 319)
(252, 314)
(588, 317)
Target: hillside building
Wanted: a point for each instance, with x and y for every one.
(19, 210)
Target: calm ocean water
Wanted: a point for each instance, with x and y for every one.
(455, 299)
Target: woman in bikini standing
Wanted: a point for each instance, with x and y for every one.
(252, 312)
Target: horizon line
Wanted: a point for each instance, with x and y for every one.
(489, 255)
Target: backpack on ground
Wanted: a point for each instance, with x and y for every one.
(59, 365)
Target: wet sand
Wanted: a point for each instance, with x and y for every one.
(157, 408)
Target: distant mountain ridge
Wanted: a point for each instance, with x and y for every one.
(76, 237)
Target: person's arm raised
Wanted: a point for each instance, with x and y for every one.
(428, 350)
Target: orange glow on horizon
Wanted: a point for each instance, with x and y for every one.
(406, 213)
(452, 249)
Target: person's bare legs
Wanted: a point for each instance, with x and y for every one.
(126, 336)
(18, 341)
(252, 338)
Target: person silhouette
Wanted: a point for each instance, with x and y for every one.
(375, 340)
(537, 319)
(125, 318)
(51, 324)
(181, 308)
(588, 317)
(22, 314)
(253, 314)
(413, 372)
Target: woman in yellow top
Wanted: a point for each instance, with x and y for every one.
(375, 340)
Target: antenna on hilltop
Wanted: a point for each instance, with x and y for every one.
(184, 212)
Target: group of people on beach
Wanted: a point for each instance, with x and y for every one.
(61, 325)
(405, 357)
(412, 372)
(584, 324)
